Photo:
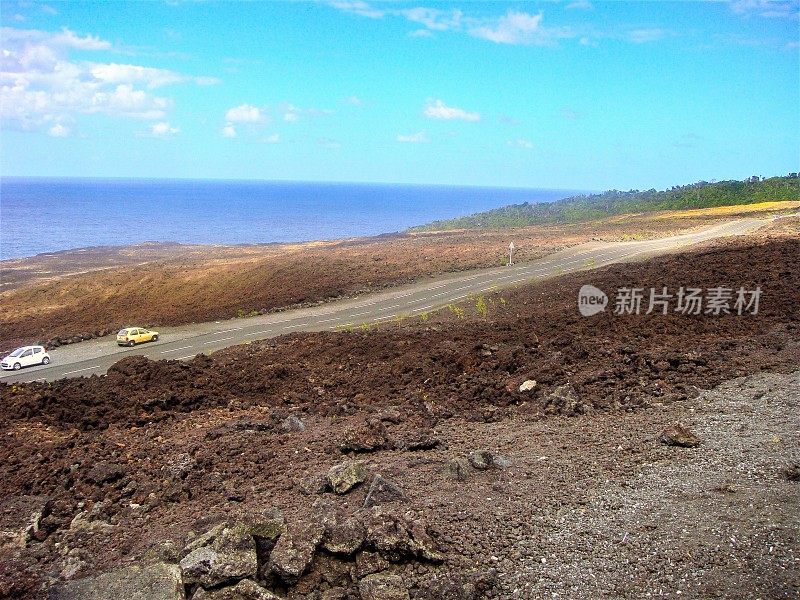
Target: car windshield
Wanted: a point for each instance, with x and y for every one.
(17, 352)
(123, 332)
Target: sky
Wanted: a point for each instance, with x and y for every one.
(577, 94)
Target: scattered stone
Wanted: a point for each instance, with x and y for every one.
(564, 401)
(293, 423)
(500, 461)
(368, 563)
(458, 586)
(362, 439)
(246, 589)
(342, 535)
(294, 551)
(335, 594)
(269, 526)
(314, 484)
(527, 385)
(399, 538)
(382, 491)
(158, 581)
(345, 476)
(105, 472)
(382, 587)
(792, 471)
(678, 434)
(231, 555)
(457, 468)
(424, 439)
(21, 519)
(480, 460)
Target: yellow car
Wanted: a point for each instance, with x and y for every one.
(130, 336)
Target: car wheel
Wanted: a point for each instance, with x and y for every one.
(17, 366)
(131, 343)
(155, 338)
(45, 361)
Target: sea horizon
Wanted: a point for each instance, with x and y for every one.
(40, 215)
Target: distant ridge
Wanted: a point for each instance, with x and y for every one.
(613, 202)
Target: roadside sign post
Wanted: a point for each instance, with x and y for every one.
(511, 254)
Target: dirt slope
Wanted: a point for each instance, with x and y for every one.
(180, 285)
(180, 447)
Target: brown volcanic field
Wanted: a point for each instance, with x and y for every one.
(83, 292)
(579, 497)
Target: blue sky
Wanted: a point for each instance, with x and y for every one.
(573, 94)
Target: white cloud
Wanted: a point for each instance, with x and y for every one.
(229, 131)
(514, 28)
(433, 18)
(437, 109)
(40, 86)
(767, 8)
(358, 7)
(47, 9)
(354, 101)
(291, 114)
(580, 5)
(163, 129)
(58, 131)
(274, 138)
(643, 36)
(520, 143)
(71, 40)
(415, 138)
(245, 113)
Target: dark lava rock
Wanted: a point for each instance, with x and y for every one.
(104, 472)
(382, 491)
(457, 468)
(382, 587)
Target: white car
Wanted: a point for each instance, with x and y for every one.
(25, 357)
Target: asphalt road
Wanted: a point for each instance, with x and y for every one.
(87, 358)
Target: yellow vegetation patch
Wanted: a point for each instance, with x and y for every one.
(718, 211)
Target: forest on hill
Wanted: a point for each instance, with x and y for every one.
(589, 207)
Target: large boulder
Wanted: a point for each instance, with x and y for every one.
(345, 476)
(292, 555)
(230, 554)
(399, 538)
(158, 581)
(246, 589)
(342, 534)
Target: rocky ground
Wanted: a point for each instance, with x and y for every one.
(79, 294)
(516, 451)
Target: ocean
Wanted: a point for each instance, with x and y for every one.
(39, 215)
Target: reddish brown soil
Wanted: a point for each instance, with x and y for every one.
(455, 379)
(186, 284)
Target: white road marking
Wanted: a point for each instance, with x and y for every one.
(217, 341)
(175, 349)
(185, 357)
(79, 370)
(229, 330)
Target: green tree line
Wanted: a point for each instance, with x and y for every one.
(589, 207)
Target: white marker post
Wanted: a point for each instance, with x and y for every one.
(511, 254)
